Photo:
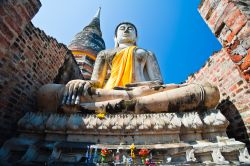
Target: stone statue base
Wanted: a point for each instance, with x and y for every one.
(196, 137)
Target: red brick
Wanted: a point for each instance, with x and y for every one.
(12, 25)
(23, 13)
(13, 14)
(236, 58)
(204, 8)
(246, 76)
(239, 90)
(235, 44)
(238, 24)
(246, 62)
(4, 42)
(213, 19)
(5, 30)
(223, 17)
(244, 32)
(233, 15)
(232, 88)
(35, 5)
(230, 37)
(218, 12)
(29, 10)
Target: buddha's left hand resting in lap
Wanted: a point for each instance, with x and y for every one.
(126, 78)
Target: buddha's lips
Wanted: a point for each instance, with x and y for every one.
(126, 35)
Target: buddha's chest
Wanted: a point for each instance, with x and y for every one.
(139, 58)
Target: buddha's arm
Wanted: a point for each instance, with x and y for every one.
(152, 68)
(100, 70)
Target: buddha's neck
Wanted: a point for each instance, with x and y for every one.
(124, 45)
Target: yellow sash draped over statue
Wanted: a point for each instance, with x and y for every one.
(122, 68)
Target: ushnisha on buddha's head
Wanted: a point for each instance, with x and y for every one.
(125, 34)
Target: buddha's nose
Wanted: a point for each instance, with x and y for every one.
(126, 30)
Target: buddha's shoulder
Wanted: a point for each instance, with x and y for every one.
(141, 51)
(107, 52)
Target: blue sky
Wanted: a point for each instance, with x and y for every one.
(172, 29)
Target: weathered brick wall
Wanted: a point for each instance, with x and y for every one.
(15, 15)
(229, 20)
(28, 59)
(229, 69)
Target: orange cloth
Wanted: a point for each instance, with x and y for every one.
(122, 68)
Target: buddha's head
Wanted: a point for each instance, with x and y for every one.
(125, 32)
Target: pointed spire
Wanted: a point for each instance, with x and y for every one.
(90, 38)
(94, 25)
(97, 15)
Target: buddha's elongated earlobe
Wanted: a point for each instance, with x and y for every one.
(116, 43)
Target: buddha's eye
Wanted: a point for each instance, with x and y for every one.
(130, 28)
(122, 28)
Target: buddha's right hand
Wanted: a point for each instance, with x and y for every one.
(73, 91)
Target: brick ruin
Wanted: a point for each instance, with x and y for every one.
(229, 68)
(29, 58)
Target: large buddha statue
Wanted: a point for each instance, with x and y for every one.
(124, 106)
(126, 78)
(127, 85)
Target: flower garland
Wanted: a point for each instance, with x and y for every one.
(144, 154)
(104, 153)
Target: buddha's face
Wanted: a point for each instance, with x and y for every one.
(126, 33)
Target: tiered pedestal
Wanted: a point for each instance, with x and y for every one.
(188, 137)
